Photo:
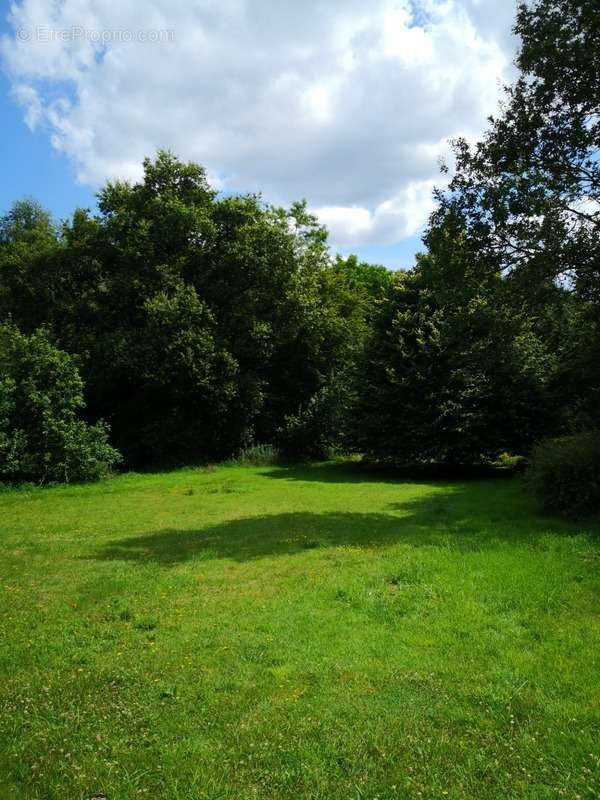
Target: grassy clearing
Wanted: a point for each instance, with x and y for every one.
(295, 633)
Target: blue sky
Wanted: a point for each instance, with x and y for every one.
(349, 105)
(30, 166)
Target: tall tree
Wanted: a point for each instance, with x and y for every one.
(29, 249)
(528, 194)
(529, 191)
(452, 374)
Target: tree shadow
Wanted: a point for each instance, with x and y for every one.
(365, 472)
(458, 518)
(330, 472)
(254, 537)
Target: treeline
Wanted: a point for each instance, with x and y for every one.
(177, 325)
(199, 324)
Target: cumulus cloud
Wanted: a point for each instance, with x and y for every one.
(346, 103)
(396, 218)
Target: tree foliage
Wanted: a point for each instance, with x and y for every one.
(42, 437)
(201, 323)
(529, 191)
(451, 373)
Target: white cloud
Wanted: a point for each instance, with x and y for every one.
(346, 103)
(398, 217)
(28, 98)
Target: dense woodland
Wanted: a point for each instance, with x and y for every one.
(178, 326)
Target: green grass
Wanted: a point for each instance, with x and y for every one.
(295, 633)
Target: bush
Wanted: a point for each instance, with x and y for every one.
(564, 474)
(318, 430)
(256, 455)
(41, 438)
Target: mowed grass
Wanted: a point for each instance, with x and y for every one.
(311, 632)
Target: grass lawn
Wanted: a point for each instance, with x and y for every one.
(309, 632)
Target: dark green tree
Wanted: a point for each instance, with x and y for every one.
(42, 437)
(529, 191)
(29, 262)
(452, 374)
(528, 195)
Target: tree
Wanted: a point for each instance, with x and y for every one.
(528, 195)
(452, 375)
(529, 191)
(347, 296)
(41, 437)
(29, 248)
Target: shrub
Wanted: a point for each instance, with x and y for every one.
(564, 473)
(41, 437)
(317, 431)
(256, 455)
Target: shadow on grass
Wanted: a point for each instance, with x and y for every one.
(467, 518)
(363, 472)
